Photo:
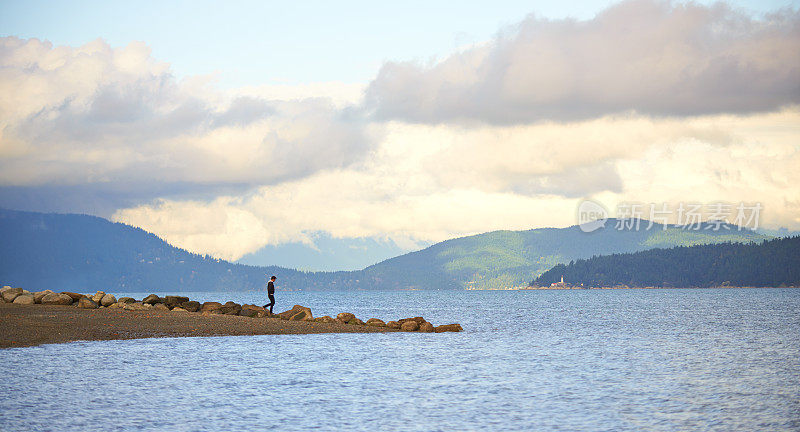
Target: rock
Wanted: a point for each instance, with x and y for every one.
(108, 300)
(179, 309)
(86, 303)
(173, 301)
(409, 326)
(98, 296)
(418, 320)
(248, 312)
(339, 320)
(56, 299)
(152, 299)
(24, 291)
(9, 294)
(116, 305)
(294, 311)
(345, 316)
(137, 306)
(230, 308)
(375, 322)
(124, 300)
(26, 299)
(393, 325)
(324, 319)
(253, 307)
(448, 328)
(355, 321)
(37, 296)
(302, 315)
(160, 306)
(426, 327)
(191, 306)
(74, 296)
(210, 306)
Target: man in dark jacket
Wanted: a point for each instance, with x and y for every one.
(271, 293)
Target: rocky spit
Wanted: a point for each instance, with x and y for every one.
(203, 318)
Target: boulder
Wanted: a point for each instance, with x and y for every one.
(179, 309)
(160, 306)
(9, 294)
(253, 307)
(248, 312)
(356, 321)
(210, 306)
(86, 303)
(393, 325)
(339, 320)
(375, 322)
(230, 308)
(448, 328)
(108, 300)
(56, 299)
(418, 320)
(426, 327)
(98, 296)
(409, 326)
(191, 306)
(124, 300)
(137, 306)
(345, 316)
(302, 315)
(173, 301)
(324, 319)
(38, 296)
(74, 296)
(117, 305)
(293, 311)
(24, 299)
(152, 299)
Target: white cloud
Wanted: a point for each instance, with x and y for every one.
(645, 56)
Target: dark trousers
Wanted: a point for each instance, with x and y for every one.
(271, 303)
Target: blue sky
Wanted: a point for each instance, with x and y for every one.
(265, 129)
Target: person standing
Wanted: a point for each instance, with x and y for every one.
(271, 293)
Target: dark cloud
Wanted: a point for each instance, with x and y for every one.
(648, 57)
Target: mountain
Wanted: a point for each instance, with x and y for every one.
(771, 263)
(86, 253)
(512, 258)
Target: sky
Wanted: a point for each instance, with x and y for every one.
(238, 127)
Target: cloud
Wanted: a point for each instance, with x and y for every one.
(644, 56)
(113, 119)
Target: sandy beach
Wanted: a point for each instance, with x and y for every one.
(28, 325)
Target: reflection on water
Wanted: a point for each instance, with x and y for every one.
(527, 360)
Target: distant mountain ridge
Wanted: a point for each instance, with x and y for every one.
(86, 253)
(773, 263)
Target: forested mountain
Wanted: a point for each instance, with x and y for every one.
(86, 253)
(771, 263)
(509, 258)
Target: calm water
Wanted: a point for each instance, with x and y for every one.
(528, 360)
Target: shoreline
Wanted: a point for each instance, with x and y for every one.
(31, 325)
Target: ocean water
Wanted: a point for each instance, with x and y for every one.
(660, 360)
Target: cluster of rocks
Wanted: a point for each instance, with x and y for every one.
(183, 304)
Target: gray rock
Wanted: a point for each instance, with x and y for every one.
(56, 299)
(38, 296)
(230, 308)
(248, 313)
(160, 306)
(375, 322)
(124, 300)
(173, 301)
(302, 315)
(86, 303)
(409, 326)
(26, 299)
(9, 294)
(74, 296)
(152, 299)
(191, 306)
(137, 306)
(108, 300)
(210, 306)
